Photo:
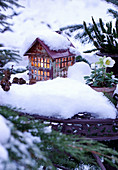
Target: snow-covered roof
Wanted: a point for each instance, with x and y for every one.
(54, 40)
(55, 44)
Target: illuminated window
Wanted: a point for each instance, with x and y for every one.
(41, 73)
(48, 73)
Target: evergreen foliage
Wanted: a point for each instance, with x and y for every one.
(105, 36)
(49, 149)
(78, 29)
(114, 2)
(4, 5)
(113, 12)
(79, 58)
(7, 55)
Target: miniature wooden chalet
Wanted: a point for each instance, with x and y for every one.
(45, 64)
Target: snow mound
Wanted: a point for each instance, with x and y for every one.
(78, 71)
(4, 130)
(4, 136)
(61, 98)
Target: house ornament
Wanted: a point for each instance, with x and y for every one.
(46, 62)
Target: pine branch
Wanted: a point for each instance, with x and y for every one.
(72, 28)
(87, 30)
(114, 2)
(116, 26)
(113, 12)
(5, 4)
(54, 148)
(8, 56)
(102, 25)
(96, 29)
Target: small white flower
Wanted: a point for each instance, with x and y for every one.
(108, 62)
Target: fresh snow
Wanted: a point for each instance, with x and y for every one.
(60, 97)
(4, 136)
(54, 40)
(78, 71)
(4, 130)
(3, 154)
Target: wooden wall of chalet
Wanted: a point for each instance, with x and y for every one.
(39, 63)
(60, 66)
(43, 67)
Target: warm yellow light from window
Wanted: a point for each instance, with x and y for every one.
(32, 64)
(39, 64)
(48, 65)
(45, 73)
(44, 65)
(41, 72)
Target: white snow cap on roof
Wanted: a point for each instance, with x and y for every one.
(54, 40)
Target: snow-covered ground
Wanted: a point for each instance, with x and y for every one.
(4, 136)
(60, 97)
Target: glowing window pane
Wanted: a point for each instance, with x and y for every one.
(48, 65)
(32, 64)
(44, 65)
(39, 64)
(48, 61)
(48, 74)
(44, 73)
(62, 64)
(41, 72)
